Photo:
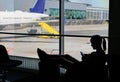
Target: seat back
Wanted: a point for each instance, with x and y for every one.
(48, 68)
(5, 61)
(3, 54)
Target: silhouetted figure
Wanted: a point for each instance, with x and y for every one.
(6, 63)
(49, 65)
(5, 60)
(48, 69)
(90, 69)
(92, 66)
(3, 54)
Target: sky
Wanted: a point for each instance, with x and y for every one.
(95, 3)
(9, 4)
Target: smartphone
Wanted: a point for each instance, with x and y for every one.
(81, 53)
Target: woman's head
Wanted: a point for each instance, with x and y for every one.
(98, 42)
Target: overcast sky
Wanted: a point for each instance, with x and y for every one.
(9, 4)
(95, 3)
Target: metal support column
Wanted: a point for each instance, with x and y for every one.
(61, 27)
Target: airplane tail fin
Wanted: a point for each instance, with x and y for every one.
(38, 7)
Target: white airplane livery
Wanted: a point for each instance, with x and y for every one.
(20, 17)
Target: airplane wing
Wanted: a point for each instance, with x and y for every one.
(27, 22)
(20, 17)
(14, 22)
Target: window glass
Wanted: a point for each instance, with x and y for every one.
(84, 19)
(22, 31)
(23, 21)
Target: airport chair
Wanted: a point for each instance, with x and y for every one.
(48, 68)
(6, 63)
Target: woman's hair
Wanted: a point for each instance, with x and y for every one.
(98, 40)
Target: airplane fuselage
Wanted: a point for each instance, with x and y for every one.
(18, 17)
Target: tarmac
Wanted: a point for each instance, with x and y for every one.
(27, 46)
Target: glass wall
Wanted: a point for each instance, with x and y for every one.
(69, 13)
(97, 13)
(21, 31)
(75, 14)
(92, 22)
(23, 37)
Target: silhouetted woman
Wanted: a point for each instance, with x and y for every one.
(90, 69)
(92, 66)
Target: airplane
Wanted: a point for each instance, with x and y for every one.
(22, 18)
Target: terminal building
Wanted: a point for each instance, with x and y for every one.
(78, 13)
(75, 13)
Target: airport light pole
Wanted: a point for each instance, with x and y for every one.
(61, 27)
